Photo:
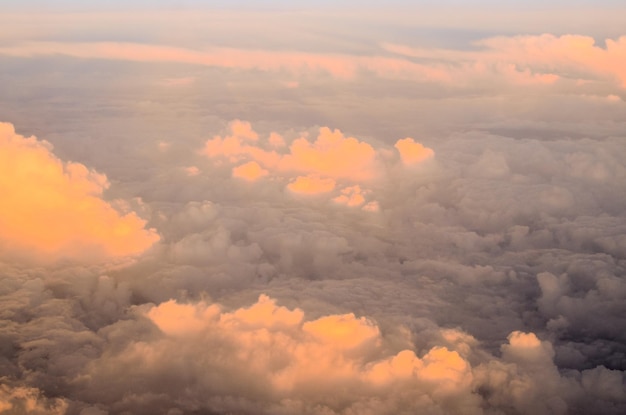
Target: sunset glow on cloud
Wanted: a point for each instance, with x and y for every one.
(412, 152)
(517, 60)
(329, 208)
(251, 171)
(312, 167)
(55, 208)
(311, 185)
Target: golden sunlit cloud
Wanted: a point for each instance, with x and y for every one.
(412, 152)
(243, 129)
(343, 331)
(333, 348)
(55, 209)
(335, 360)
(351, 196)
(311, 185)
(332, 155)
(250, 171)
(312, 167)
(529, 59)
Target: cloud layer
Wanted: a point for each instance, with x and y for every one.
(517, 61)
(311, 213)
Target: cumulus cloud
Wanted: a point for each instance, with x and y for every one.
(404, 310)
(312, 167)
(333, 155)
(313, 257)
(334, 364)
(55, 209)
(412, 152)
(351, 196)
(250, 171)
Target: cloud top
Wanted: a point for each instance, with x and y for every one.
(54, 209)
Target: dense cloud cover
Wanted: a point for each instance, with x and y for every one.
(341, 226)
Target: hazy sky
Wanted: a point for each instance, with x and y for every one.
(312, 207)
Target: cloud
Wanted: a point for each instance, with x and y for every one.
(336, 364)
(330, 155)
(495, 242)
(55, 209)
(312, 167)
(250, 171)
(517, 60)
(412, 152)
(287, 361)
(575, 52)
(333, 155)
(311, 185)
(536, 58)
(309, 261)
(351, 196)
(25, 400)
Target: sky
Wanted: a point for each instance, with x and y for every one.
(320, 208)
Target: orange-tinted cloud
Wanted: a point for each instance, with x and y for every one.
(183, 319)
(351, 196)
(263, 314)
(311, 167)
(330, 346)
(27, 400)
(343, 331)
(517, 60)
(250, 171)
(412, 152)
(54, 209)
(563, 54)
(243, 129)
(332, 155)
(335, 360)
(277, 359)
(311, 185)
(532, 59)
(240, 144)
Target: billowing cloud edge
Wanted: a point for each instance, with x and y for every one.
(54, 210)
